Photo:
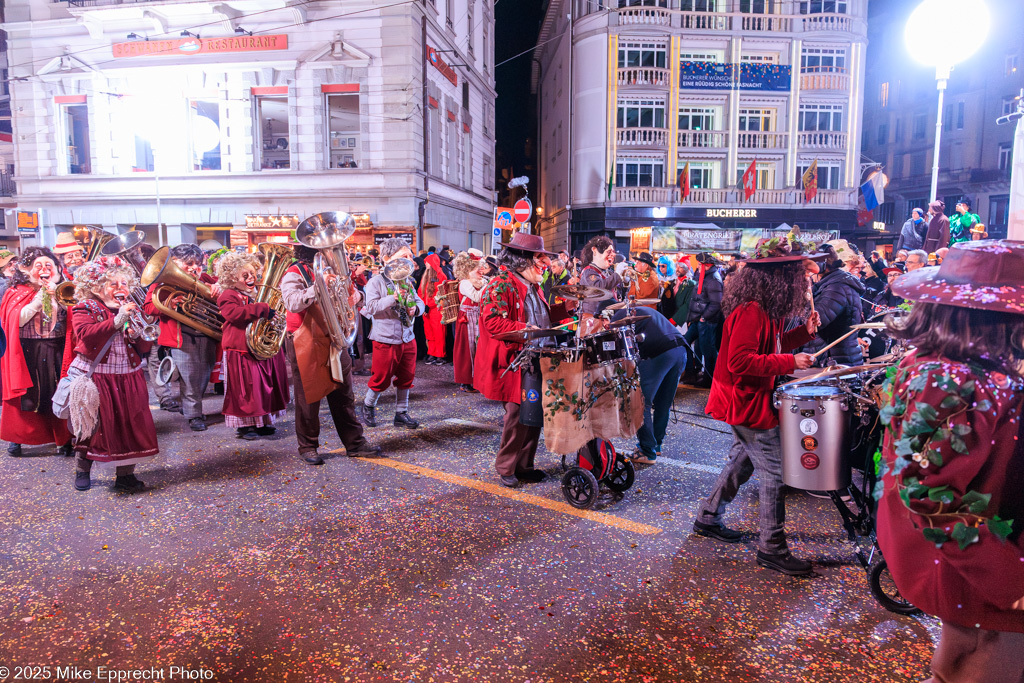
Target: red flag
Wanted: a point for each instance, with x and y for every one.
(810, 180)
(684, 182)
(750, 180)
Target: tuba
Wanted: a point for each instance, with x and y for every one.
(98, 238)
(265, 337)
(198, 309)
(398, 270)
(128, 247)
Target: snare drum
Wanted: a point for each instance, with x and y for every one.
(610, 346)
(814, 426)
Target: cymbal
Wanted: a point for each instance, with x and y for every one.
(868, 326)
(581, 292)
(639, 302)
(525, 335)
(838, 371)
(626, 322)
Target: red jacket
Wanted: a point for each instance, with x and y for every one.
(238, 313)
(94, 325)
(502, 309)
(974, 587)
(753, 353)
(170, 329)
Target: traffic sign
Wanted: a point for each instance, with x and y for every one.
(523, 210)
(497, 232)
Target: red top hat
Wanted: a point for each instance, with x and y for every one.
(985, 274)
(526, 242)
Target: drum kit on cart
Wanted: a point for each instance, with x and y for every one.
(829, 427)
(583, 389)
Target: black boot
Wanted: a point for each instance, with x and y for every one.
(14, 450)
(128, 484)
(67, 450)
(82, 481)
(786, 563)
(367, 414)
(402, 419)
(247, 433)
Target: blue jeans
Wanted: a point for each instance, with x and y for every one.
(659, 378)
(708, 334)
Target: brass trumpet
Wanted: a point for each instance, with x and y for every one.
(64, 293)
(138, 325)
(198, 308)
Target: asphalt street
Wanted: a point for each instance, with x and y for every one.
(241, 561)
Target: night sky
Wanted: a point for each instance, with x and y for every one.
(517, 25)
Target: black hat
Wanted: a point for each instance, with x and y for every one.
(966, 201)
(646, 258)
(707, 257)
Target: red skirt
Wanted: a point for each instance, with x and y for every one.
(254, 387)
(125, 434)
(435, 332)
(463, 353)
(32, 429)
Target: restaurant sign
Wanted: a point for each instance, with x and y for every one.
(272, 222)
(200, 46)
(434, 57)
(724, 240)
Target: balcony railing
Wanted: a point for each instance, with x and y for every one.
(644, 75)
(726, 21)
(748, 139)
(641, 137)
(827, 22)
(824, 81)
(725, 197)
(7, 186)
(705, 21)
(703, 138)
(650, 16)
(767, 22)
(821, 140)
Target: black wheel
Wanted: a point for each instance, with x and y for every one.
(579, 488)
(622, 477)
(885, 591)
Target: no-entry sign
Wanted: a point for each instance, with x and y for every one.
(523, 210)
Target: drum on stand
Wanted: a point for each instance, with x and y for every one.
(814, 427)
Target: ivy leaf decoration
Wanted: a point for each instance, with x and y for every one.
(1000, 527)
(950, 402)
(918, 383)
(947, 384)
(934, 457)
(958, 444)
(976, 502)
(903, 447)
(964, 535)
(967, 389)
(936, 536)
(962, 430)
(927, 412)
(984, 405)
(941, 494)
(886, 414)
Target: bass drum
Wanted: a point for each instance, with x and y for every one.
(610, 346)
(814, 426)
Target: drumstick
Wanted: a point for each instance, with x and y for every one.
(564, 325)
(815, 355)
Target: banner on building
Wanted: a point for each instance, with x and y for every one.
(200, 46)
(752, 76)
(723, 240)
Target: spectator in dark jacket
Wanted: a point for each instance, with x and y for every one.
(913, 232)
(938, 228)
(837, 299)
(705, 315)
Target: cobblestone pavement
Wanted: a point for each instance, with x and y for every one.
(244, 562)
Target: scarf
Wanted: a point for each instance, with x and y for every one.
(704, 268)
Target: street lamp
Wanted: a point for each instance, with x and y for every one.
(927, 39)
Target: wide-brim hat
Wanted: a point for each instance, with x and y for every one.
(525, 242)
(644, 257)
(984, 274)
(6, 257)
(66, 243)
(889, 271)
(707, 257)
(475, 254)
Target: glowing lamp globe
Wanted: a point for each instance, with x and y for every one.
(930, 28)
(205, 134)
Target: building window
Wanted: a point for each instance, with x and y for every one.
(883, 133)
(697, 118)
(823, 7)
(75, 131)
(343, 131)
(699, 5)
(883, 94)
(757, 119)
(467, 160)
(828, 176)
(826, 60)
(757, 6)
(640, 173)
(1011, 64)
(449, 13)
(645, 3)
(488, 172)
(1005, 156)
(486, 47)
(272, 139)
(920, 125)
(821, 117)
(470, 27)
(760, 58)
(1009, 105)
(917, 163)
(960, 111)
(765, 174)
(897, 135)
(204, 122)
(636, 54)
(998, 214)
(641, 114)
(703, 174)
(688, 55)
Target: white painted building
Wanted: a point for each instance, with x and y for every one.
(229, 120)
(632, 91)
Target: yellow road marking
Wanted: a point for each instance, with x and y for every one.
(504, 492)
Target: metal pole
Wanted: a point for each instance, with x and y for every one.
(1015, 218)
(159, 220)
(941, 79)
(568, 157)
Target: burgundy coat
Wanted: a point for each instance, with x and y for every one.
(238, 313)
(503, 309)
(94, 325)
(974, 587)
(754, 352)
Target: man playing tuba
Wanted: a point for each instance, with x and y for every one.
(308, 346)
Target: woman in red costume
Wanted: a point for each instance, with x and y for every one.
(36, 327)
(255, 391)
(124, 434)
(432, 327)
(468, 271)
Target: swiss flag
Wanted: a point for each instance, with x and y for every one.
(684, 182)
(750, 180)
